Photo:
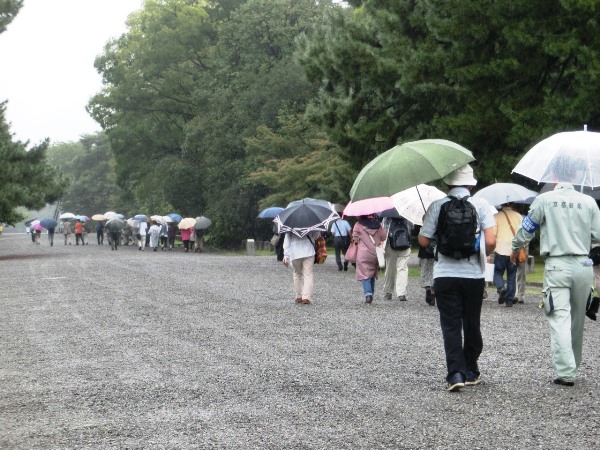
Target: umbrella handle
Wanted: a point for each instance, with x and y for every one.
(420, 198)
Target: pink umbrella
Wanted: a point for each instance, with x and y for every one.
(368, 206)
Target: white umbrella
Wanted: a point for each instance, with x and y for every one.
(67, 216)
(413, 202)
(572, 157)
(186, 223)
(159, 219)
(501, 193)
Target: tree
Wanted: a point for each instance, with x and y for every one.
(90, 168)
(27, 179)
(495, 76)
(8, 11)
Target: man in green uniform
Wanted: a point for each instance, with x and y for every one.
(569, 222)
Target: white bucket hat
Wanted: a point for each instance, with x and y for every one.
(463, 176)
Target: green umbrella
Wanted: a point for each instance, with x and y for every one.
(408, 165)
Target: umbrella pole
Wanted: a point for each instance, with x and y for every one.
(420, 198)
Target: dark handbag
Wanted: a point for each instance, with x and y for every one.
(426, 252)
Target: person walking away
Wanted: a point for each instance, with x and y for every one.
(100, 233)
(367, 234)
(185, 238)
(341, 230)
(459, 274)
(66, 230)
(171, 233)
(200, 241)
(507, 221)
(426, 257)
(141, 234)
(397, 254)
(569, 222)
(114, 239)
(154, 233)
(164, 237)
(300, 253)
(51, 236)
(193, 240)
(78, 232)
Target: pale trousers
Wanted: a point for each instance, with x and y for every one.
(521, 269)
(567, 288)
(303, 277)
(396, 271)
(142, 241)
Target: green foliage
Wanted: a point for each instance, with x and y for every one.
(89, 166)
(8, 11)
(27, 179)
(296, 161)
(495, 76)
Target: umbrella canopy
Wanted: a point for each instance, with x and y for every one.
(408, 165)
(176, 217)
(168, 219)
(500, 193)
(303, 216)
(270, 213)
(81, 218)
(28, 222)
(572, 157)
(202, 223)
(132, 223)
(158, 219)
(141, 217)
(99, 217)
(115, 224)
(186, 223)
(413, 202)
(48, 223)
(594, 193)
(368, 206)
(67, 216)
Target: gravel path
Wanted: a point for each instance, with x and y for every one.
(130, 349)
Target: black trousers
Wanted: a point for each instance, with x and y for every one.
(459, 302)
(340, 244)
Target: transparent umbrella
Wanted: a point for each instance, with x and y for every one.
(572, 156)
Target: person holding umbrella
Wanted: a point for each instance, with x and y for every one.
(367, 234)
(459, 280)
(300, 253)
(569, 222)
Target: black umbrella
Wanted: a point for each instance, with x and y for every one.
(303, 216)
(114, 224)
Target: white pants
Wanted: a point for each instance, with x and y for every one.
(303, 277)
(396, 271)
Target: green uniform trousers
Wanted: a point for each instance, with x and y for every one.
(567, 288)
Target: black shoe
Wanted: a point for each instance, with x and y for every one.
(402, 298)
(368, 299)
(502, 296)
(456, 382)
(346, 266)
(472, 379)
(509, 302)
(563, 382)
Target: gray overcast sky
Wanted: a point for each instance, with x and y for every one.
(48, 73)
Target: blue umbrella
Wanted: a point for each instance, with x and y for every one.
(176, 217)
(270, 213)
(140, 217)
(48, 223)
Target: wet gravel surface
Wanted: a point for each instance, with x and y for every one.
(130, 349)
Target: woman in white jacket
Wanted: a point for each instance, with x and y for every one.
(300, 252)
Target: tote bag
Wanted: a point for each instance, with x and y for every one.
(351, 252)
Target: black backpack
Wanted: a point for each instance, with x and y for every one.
(457, 228)
(399, 234)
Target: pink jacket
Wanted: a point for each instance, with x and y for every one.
(366, 258)
(185, 234)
